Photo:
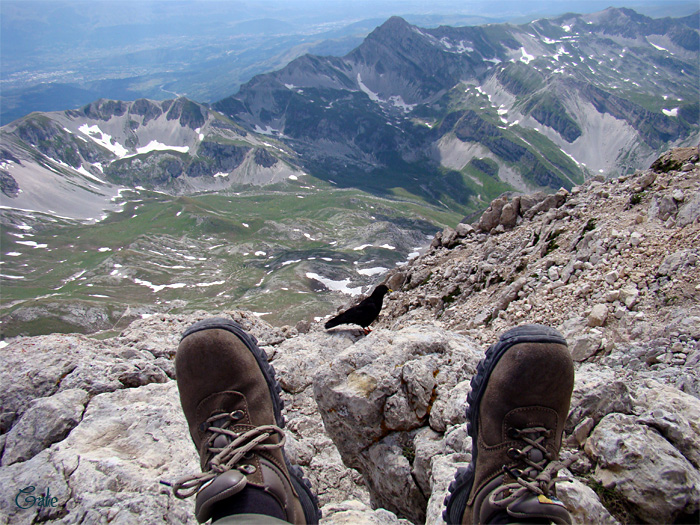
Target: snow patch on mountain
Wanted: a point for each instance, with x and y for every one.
(103, 139)
(89, 175)
(526, 58)
(371, 94)
(372, 271)
(336, 286)
(154, 145)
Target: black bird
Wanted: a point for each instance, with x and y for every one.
(364, 313)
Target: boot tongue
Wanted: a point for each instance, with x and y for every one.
(221, 441)
(534, 506)
(535, 455)
(221, 487)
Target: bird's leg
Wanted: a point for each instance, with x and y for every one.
(367, 330)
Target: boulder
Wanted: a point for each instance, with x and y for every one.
(689, 212)
(641, 466)
(443, 469)
(598, 315)
(509, 213)
(46, 421)
(109, 467)
(492, 216)
(597, 394)
(582, 502)
(387, 470)
(374, 397)
(674, 414)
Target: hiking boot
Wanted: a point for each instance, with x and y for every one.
(516, 409)
(232, 404)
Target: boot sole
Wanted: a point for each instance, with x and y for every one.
(459, 489)
(309, 500)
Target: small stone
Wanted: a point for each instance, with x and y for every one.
(583, 290)
(667, 208)
(583, 429)
(644, 182)
(612, 296)
(583, 503)
(611, 277)
(598, 315)
(677, 347)
(464, 229)
(629, 295)
(553, 273)
(585, 346)
(303, 326)
(556, 284)
(678, 195)
(636, 239)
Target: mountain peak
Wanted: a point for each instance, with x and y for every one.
(621, 18)
(391, 28)
(624, 13)
(395, 22)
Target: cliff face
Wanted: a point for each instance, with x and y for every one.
(378, 421)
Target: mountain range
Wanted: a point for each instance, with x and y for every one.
(446, 118)
(442, 114)
(539, 103)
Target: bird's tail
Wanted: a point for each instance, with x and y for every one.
(332, 323)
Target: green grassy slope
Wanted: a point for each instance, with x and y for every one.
(250, 250)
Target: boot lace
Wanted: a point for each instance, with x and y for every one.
(240, 445)
(539, 476)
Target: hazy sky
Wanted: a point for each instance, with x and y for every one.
(49, 43)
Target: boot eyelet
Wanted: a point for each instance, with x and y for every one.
(514, 453)
(513, 433)
(247, 469)
(515, 473)
(236, 415)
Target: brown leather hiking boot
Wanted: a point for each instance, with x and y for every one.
(232, 405)
(517, 407)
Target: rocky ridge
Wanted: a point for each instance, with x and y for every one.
(378, 422)
(609, 263)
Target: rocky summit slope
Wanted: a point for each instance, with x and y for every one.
(378, 422)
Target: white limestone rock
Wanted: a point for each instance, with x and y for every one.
(46, 421)
(642, 466)
(582, 502)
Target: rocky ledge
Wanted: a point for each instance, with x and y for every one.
(377, 422)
